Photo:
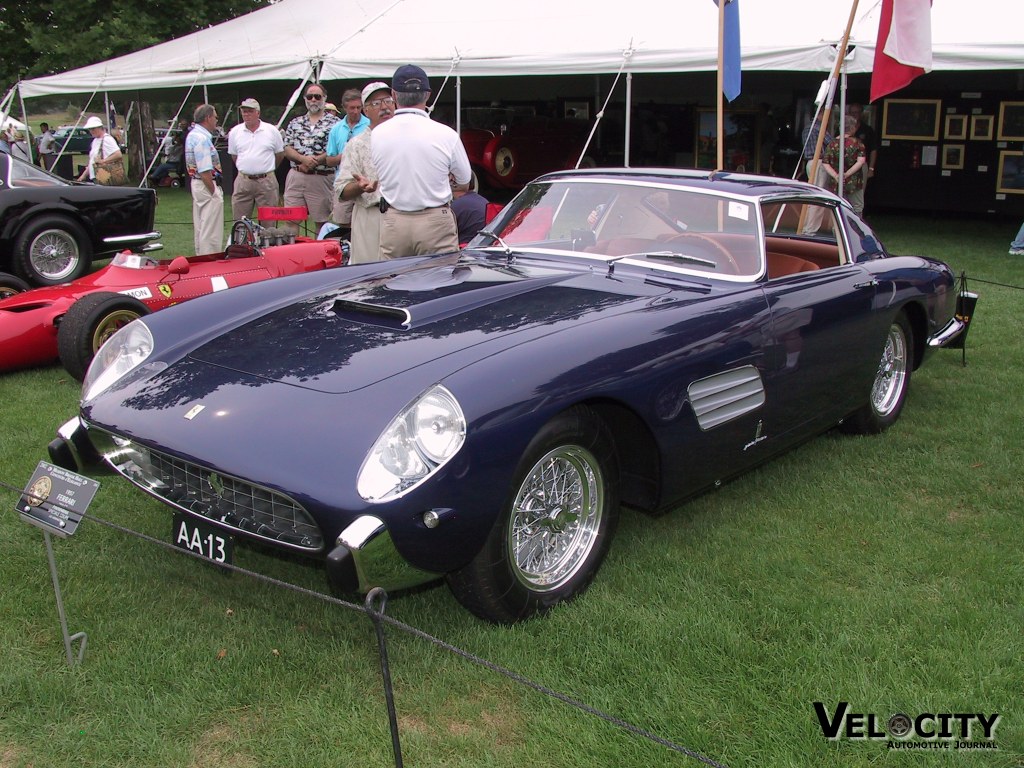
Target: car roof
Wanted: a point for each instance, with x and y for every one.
(731, 182)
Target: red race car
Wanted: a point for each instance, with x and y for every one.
(70, 322)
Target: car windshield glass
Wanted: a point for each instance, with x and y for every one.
(659, 226)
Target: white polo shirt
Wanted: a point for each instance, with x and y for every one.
(413, 156)
(254, 150)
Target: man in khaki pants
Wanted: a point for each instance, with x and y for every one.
(257, 148)
(203, 164)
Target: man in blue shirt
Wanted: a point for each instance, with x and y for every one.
(203, 164)
(354, 123)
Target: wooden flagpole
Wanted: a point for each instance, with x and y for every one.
(826, 114)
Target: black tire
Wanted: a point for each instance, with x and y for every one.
(499, 584)
(889, 388)
(51, 249)
(88, 323)
(10, 285)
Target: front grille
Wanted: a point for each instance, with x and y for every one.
(243, 506)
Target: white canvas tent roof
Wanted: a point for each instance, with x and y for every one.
(363, 38)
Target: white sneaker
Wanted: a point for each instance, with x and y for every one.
(1017, 251)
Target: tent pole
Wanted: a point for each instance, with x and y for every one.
(629, 116)
(28, 128)
(721, 84)
(458, 104)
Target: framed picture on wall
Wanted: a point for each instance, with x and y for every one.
(1011, 173)
(1011, 121)
(953, 156)
(911, 119)
(981, 127)
(576, 109)
(956, 127)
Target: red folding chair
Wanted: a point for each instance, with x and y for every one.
(297, 214)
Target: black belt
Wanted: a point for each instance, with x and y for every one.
(255, 176)
(384, 206)
(324, 173)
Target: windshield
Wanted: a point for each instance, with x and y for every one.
(660, 226)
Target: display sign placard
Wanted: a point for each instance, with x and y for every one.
(55, 499)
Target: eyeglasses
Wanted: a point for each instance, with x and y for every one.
(314, 96)
(378, 102)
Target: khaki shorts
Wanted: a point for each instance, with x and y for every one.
(314, 191)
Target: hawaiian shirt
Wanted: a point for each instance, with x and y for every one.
(309, 138)
(852, 150)
(357, 159)
(200, 154)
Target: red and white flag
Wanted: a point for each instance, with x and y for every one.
(904, 49)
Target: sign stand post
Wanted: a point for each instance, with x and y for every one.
(68, 639)
(55, 501)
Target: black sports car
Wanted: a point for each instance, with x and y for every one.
(626, 336)
(51, 229)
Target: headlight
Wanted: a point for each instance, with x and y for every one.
(417, 442)
(121, 354)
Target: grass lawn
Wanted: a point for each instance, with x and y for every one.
(887, 572)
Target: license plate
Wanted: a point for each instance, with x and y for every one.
(203, 539)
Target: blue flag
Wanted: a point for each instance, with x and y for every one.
(731, 52)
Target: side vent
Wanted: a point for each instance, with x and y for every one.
(726, 396)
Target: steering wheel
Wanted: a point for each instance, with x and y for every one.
(708, 244)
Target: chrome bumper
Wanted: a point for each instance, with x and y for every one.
(72, 449)
(366, 557)
(945, 337)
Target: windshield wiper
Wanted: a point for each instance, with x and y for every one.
(672, 256)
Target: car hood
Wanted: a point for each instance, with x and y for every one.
(351, 337)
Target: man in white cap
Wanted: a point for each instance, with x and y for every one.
(257, 148)
(414, 156)
(357, 177)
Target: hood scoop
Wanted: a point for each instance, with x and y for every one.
(412, 300)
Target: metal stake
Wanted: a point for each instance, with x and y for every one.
(68, 639)
(379, 595)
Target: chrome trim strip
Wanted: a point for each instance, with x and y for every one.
(726, 396)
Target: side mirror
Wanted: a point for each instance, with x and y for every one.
(178, 266)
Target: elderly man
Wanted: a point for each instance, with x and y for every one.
(203, 164)
(310, 181)
(357, 177)
(414, 156)
(257, 148)
(354, 123)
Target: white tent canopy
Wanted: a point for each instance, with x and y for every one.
(352, 39)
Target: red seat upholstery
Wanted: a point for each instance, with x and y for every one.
(780, 264)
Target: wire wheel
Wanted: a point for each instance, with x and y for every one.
(890, 380)
(54, 254)
(556, 518)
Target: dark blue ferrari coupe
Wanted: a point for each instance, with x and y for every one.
(616, 337)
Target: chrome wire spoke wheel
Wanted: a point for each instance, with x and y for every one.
(890, 380)
(556, 517)
(54, 254)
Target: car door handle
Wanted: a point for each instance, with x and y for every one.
(873, 282)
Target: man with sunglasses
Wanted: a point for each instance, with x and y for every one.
(415, 156)
(310, 181)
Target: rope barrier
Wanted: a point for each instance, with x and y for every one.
(379, 618)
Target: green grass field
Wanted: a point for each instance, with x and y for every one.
(887, 572)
